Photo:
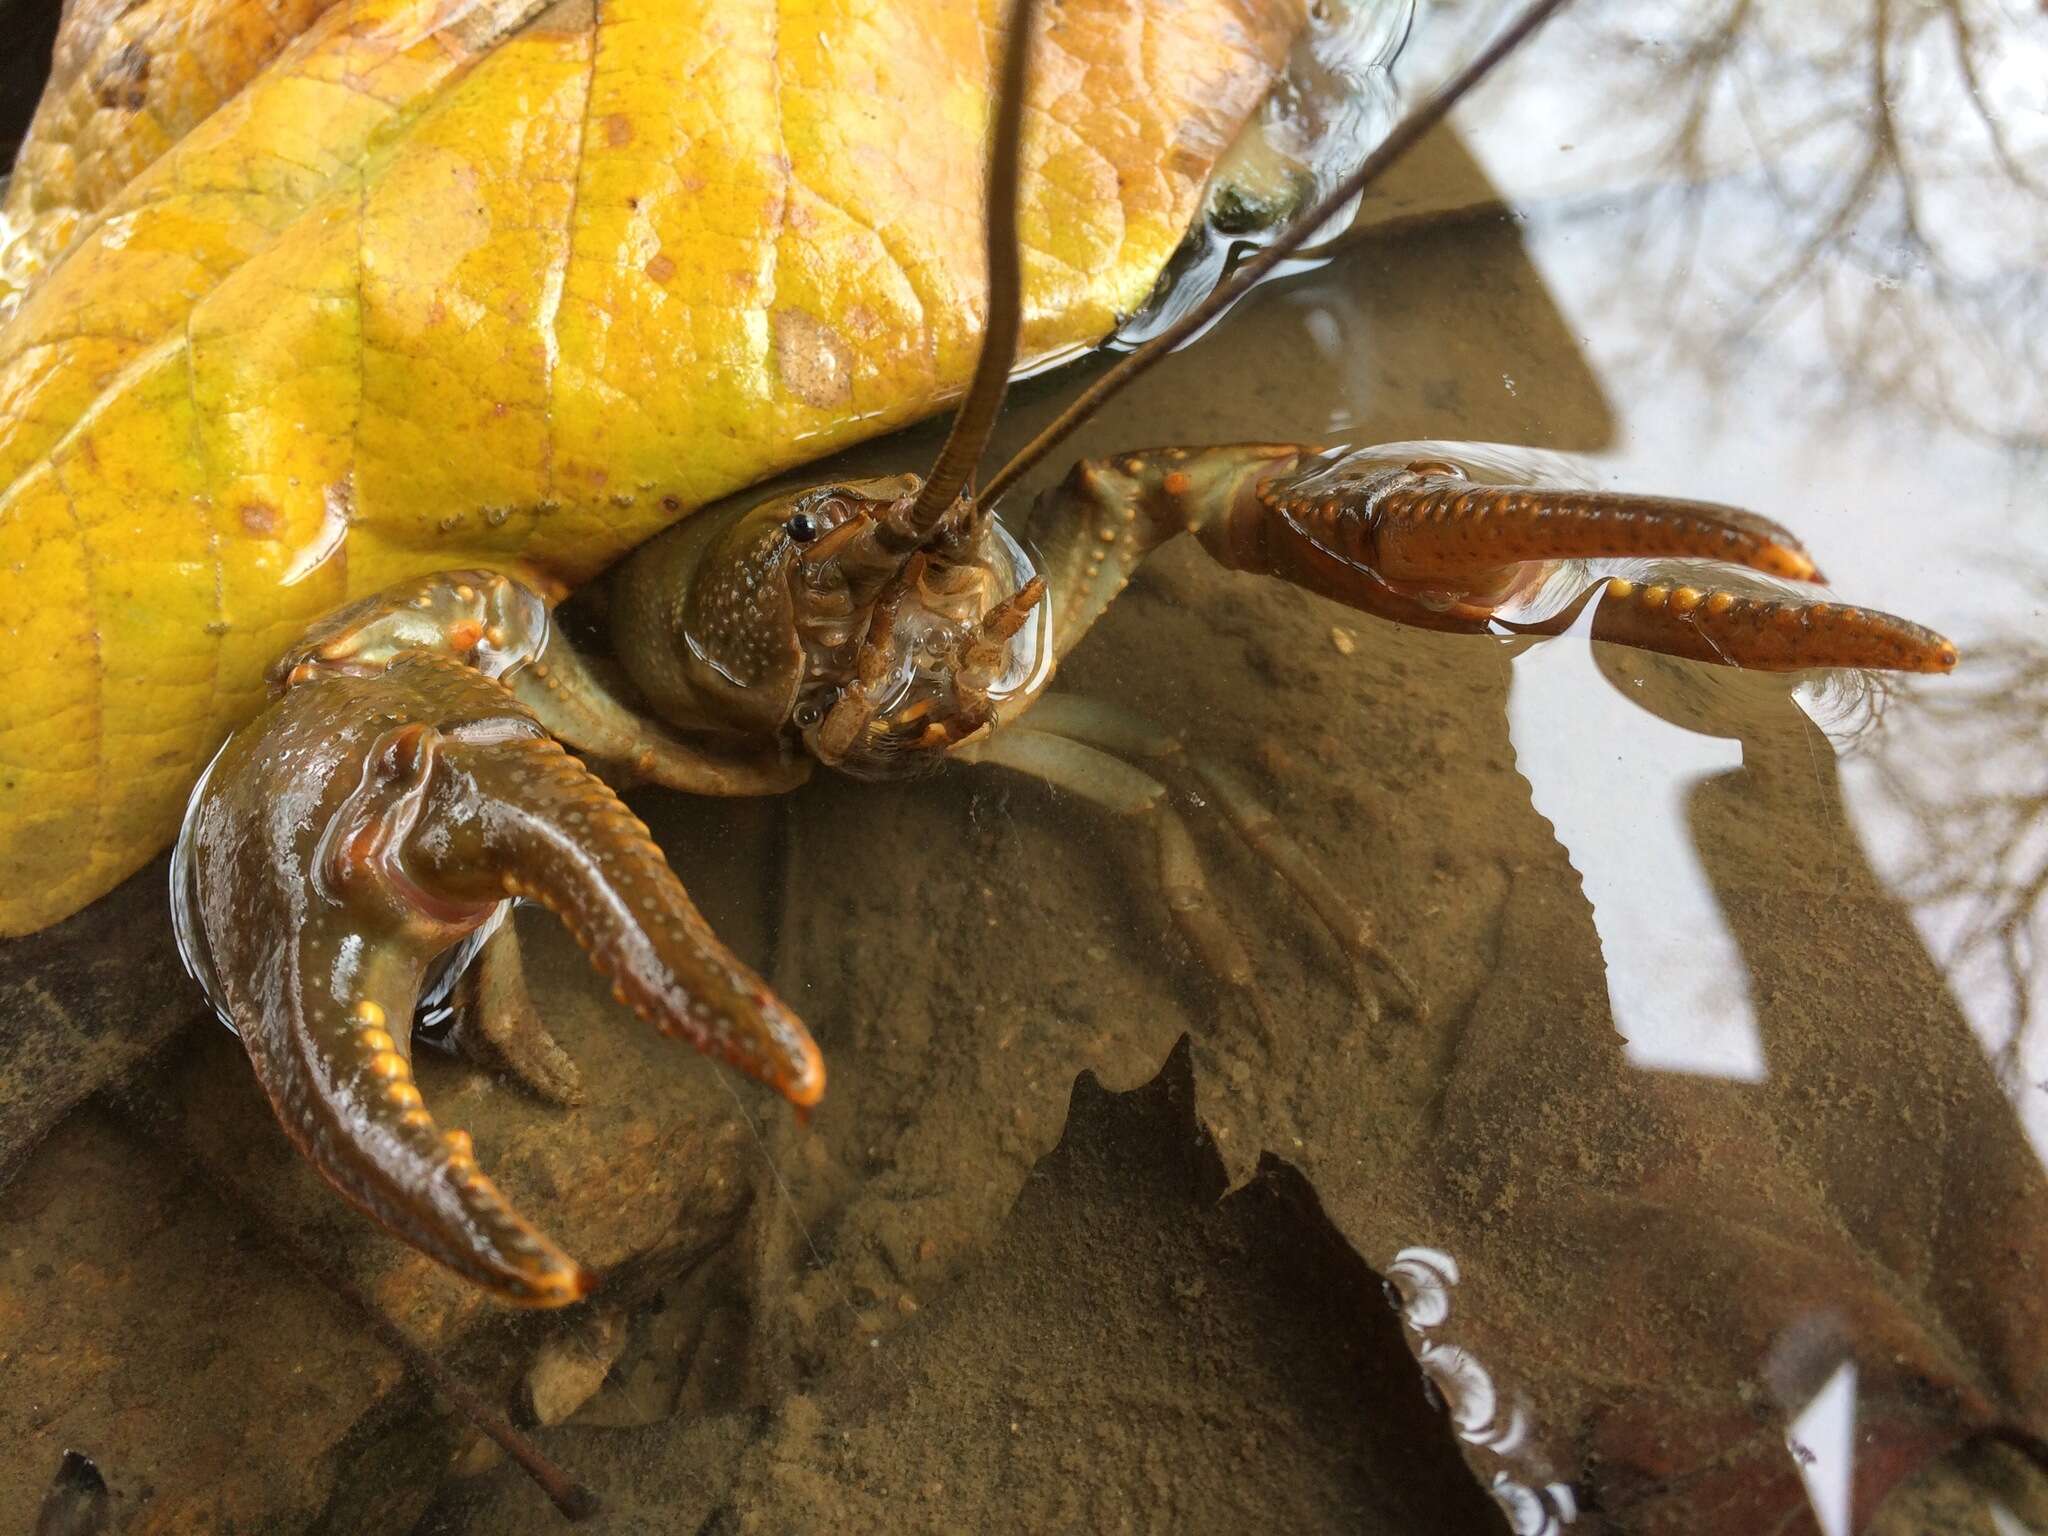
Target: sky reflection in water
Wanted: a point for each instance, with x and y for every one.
(1807, 263)
(1839, 336)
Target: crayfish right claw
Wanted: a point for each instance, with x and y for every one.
(1426, 541)
(361, 827)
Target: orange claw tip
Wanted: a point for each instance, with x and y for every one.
(804, 1086)
(1788, 561)
(1940, 655)
(560, 1284)
(1899, 645)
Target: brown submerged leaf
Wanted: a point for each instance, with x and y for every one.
(1239, 1387)
(1658, 1272)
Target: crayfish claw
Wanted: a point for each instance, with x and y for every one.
(344, 1090)
(1428, 541)
(1443, 527)
(357, 831)
(1762, 632)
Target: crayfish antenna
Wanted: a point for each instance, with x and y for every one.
(1405, 135)
(953, 471)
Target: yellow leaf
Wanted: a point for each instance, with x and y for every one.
(127, 81)
(442, 286)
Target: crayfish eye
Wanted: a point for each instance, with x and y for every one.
(801, 527)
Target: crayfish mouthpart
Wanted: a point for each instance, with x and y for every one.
(948, 642)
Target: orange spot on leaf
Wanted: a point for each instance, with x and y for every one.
(815, 363)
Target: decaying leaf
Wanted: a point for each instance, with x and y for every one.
(1138, 1347)
(1633, 1284)
(1242, 1385)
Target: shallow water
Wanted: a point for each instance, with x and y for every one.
(1707, 1190)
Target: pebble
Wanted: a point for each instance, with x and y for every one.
(573, 1365)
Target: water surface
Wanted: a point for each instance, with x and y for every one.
(1705, 1191)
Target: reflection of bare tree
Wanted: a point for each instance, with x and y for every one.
(1884, 180)
(1981, 837)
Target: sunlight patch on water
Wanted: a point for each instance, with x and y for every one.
(1613, 780)
(1822, 1441)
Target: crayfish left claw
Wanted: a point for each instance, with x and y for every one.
(1424, 542)
(1433, 524)
(357, 830)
